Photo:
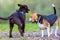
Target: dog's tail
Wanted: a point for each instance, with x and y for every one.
(7, 18)
(54, 8)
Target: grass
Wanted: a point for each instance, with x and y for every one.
(29, 27)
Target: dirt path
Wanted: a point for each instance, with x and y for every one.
(29, 36)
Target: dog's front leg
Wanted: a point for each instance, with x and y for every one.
(51, 29)
(48, 31)
(42, 33)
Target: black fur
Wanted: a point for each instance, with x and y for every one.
(18, 18)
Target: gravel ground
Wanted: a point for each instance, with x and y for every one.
(29, 36)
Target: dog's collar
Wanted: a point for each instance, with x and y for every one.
(40, 19)
(22, 12)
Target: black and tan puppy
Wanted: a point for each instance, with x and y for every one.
(18, 18)
(45, 22)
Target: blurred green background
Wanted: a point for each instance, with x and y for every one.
(7, 7)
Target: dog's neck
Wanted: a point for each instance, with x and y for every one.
(22, 10)
(21, 14)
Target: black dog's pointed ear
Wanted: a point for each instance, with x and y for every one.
(19, 5)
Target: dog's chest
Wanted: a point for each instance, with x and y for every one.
(41, 26)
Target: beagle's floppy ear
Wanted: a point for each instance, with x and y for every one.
(19, 4)
(38, 15)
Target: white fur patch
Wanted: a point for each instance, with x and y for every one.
(48, 31)
(30, 19)
(53, 5)
(56, 30)
(42, 33)
(21, 24)
(41, 26)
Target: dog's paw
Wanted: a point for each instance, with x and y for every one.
(42, 35)
(48, 35)
(56, 35)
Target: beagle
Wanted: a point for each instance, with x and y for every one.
(46, 22)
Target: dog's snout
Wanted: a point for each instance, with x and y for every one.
(30, 19)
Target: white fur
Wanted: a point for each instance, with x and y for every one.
(53, 5)
(41, 25)
(22, 12)
(30, 19)
(48, 31)
(51, 31)
(42, 33)
(56, 30)
(36, 20)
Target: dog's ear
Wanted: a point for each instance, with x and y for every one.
(19, 4)
(38, 15)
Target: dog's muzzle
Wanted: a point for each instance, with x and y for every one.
(30, 19)
(33, 21)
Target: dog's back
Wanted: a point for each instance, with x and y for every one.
(50, 18)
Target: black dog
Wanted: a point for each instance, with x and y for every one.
(18, 18)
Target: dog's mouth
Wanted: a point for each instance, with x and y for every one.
(33, 21)
(26, 9)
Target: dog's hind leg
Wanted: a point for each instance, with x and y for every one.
(48, 30)
(19, 23)
(56, 30)
(11, 28)
(51, 30)
(56, 24)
